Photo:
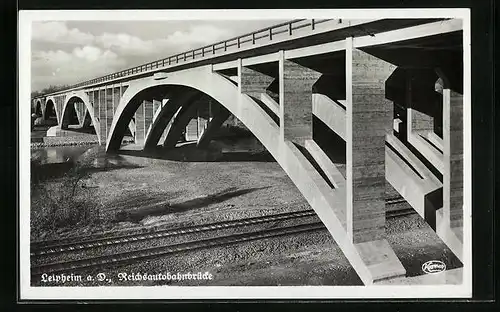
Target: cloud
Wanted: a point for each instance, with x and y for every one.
(198, 35)
(58, 32)
(92, 56)
(127, 44)
(82, 63)
(177, 42)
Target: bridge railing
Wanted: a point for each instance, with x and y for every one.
(213, 49)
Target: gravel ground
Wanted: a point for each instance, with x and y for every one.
(137, 193)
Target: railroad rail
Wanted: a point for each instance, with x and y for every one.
(147, 253)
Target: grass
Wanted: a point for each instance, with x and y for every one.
(64, 203)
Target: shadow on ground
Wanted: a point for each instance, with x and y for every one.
(190, 153)
(164, 208)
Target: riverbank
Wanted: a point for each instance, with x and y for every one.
(71, 137)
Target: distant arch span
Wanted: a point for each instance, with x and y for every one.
(50, 109)
(68, 108)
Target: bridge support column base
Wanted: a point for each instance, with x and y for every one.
(451, 236)
(380, 260)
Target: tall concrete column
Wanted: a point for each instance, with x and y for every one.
(102, 115)
(453, 160)
(295, 98)
(148, 115)
(368, 119)
(95, 104)
(109, 109)
(192, 130)
(116, 98)
(140, 132)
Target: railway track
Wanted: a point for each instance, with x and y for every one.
(67, 245)
(148, 253)
(54, 247)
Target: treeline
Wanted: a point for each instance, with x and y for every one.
(49, 89)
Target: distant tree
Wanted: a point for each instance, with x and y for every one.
(49, 89)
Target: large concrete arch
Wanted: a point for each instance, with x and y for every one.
(328, 203)
(85, 99)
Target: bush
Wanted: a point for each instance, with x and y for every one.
(63, 203)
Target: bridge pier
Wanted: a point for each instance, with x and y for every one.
(453, 157)
(140, 132)
(450, 220)
(368, 119)
(295, 99)
(148, 116)
(108, 110)
(102, 100)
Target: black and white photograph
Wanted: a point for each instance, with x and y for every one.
(191, 154)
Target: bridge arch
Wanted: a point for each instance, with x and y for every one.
(205, 81)
(68, 108)
(328, 203)
(50, 109)
(38, 108)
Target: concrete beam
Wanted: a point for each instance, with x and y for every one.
(315, 50)
(261, 59)
(270, 103)
(212, 127)
(156, 105)
(225, 65)
(411, 178)
(424, 30)
(328, 167)
(295, 94)
(368, 120)
(330, 112)
(187, 112)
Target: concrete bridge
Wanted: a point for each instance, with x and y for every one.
(346, 107)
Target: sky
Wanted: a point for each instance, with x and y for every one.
(68, 52)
